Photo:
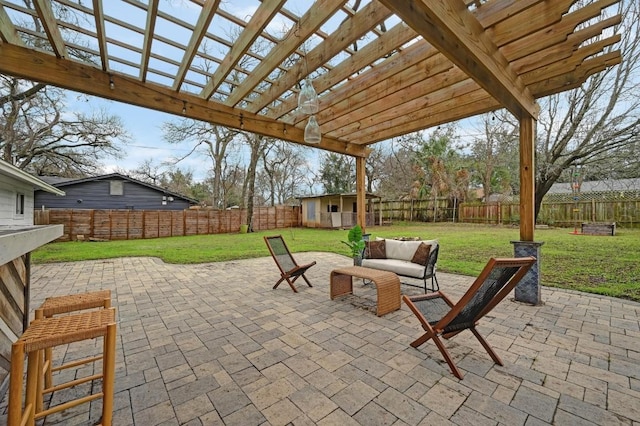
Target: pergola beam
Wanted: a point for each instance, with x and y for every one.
(101, 34)
(254, 28)
(152, 13)
(455, 32)
(39, 66)
(43, 7)
(8, 32)
(386, 43)
(199, 31)
(318, 14)
(343, 36)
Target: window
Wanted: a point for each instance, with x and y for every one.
(116, 187)
(332, 208)
(19, 204)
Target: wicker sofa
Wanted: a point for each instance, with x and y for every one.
(412, 259)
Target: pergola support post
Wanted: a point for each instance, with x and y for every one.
(360, 192)
(528, 290)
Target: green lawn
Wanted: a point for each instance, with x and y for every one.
(598, 264)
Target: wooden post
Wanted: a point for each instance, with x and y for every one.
(528, 289)
(360, 192)
(527, 178)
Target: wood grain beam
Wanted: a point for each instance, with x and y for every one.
(317, 15)
(457, 34)
(43, 8)
(564, 49)
(350, 30)
(199, 31)
(260, 19)
(382, 72)
(40, 66)
(569, 64)
(537, 17)
(517, 48)
(152, 14)
(392, 94)
(384, 45)
(572, 80)
(453, 103)
(98, 14)
(491, 13)
(8, 32)
(527, 178)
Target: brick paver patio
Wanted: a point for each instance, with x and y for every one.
(213, 344)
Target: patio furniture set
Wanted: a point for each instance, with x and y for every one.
(438, 315)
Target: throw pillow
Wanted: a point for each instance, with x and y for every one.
(376, 250)
(421, 256)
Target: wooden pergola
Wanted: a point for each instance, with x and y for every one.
(381, 68)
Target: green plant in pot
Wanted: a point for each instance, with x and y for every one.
(355, 243)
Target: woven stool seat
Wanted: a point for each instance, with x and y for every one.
(45, 333)
(75, 302)
(49, 332)
(63, 305)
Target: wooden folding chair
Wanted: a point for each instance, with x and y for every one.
(289, 268)
(441, 317)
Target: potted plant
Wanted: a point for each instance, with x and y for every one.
(356, 244)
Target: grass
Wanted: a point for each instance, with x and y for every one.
(596, 264)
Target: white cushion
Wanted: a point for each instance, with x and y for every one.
(404, 250)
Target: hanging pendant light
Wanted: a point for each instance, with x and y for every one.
(308, 98)
(312, 131)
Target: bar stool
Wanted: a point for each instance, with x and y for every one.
(45, 333)
(61, 305)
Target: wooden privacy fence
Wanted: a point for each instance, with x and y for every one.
(139, 224)
(625, 213)
(438, 210)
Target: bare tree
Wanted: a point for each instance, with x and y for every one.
(257, 145)
(597, 125)
(284, 168)
(214, 141)
(37, 135)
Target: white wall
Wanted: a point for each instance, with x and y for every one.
(9, 187)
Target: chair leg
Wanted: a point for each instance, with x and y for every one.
(293, 287)
(278, 283)
(305, 278)
(447, 357)
(108, 374)
(15, 384)
(494, 356)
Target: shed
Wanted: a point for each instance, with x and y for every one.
(111, 192)
(335, 210)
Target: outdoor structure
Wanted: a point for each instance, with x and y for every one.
(336, 210)
(112, 191)
(18, 237)
(385, 70)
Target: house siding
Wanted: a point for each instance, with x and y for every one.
(9, 187)
(95, 195)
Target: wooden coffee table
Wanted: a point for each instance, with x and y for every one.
(387, 286)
